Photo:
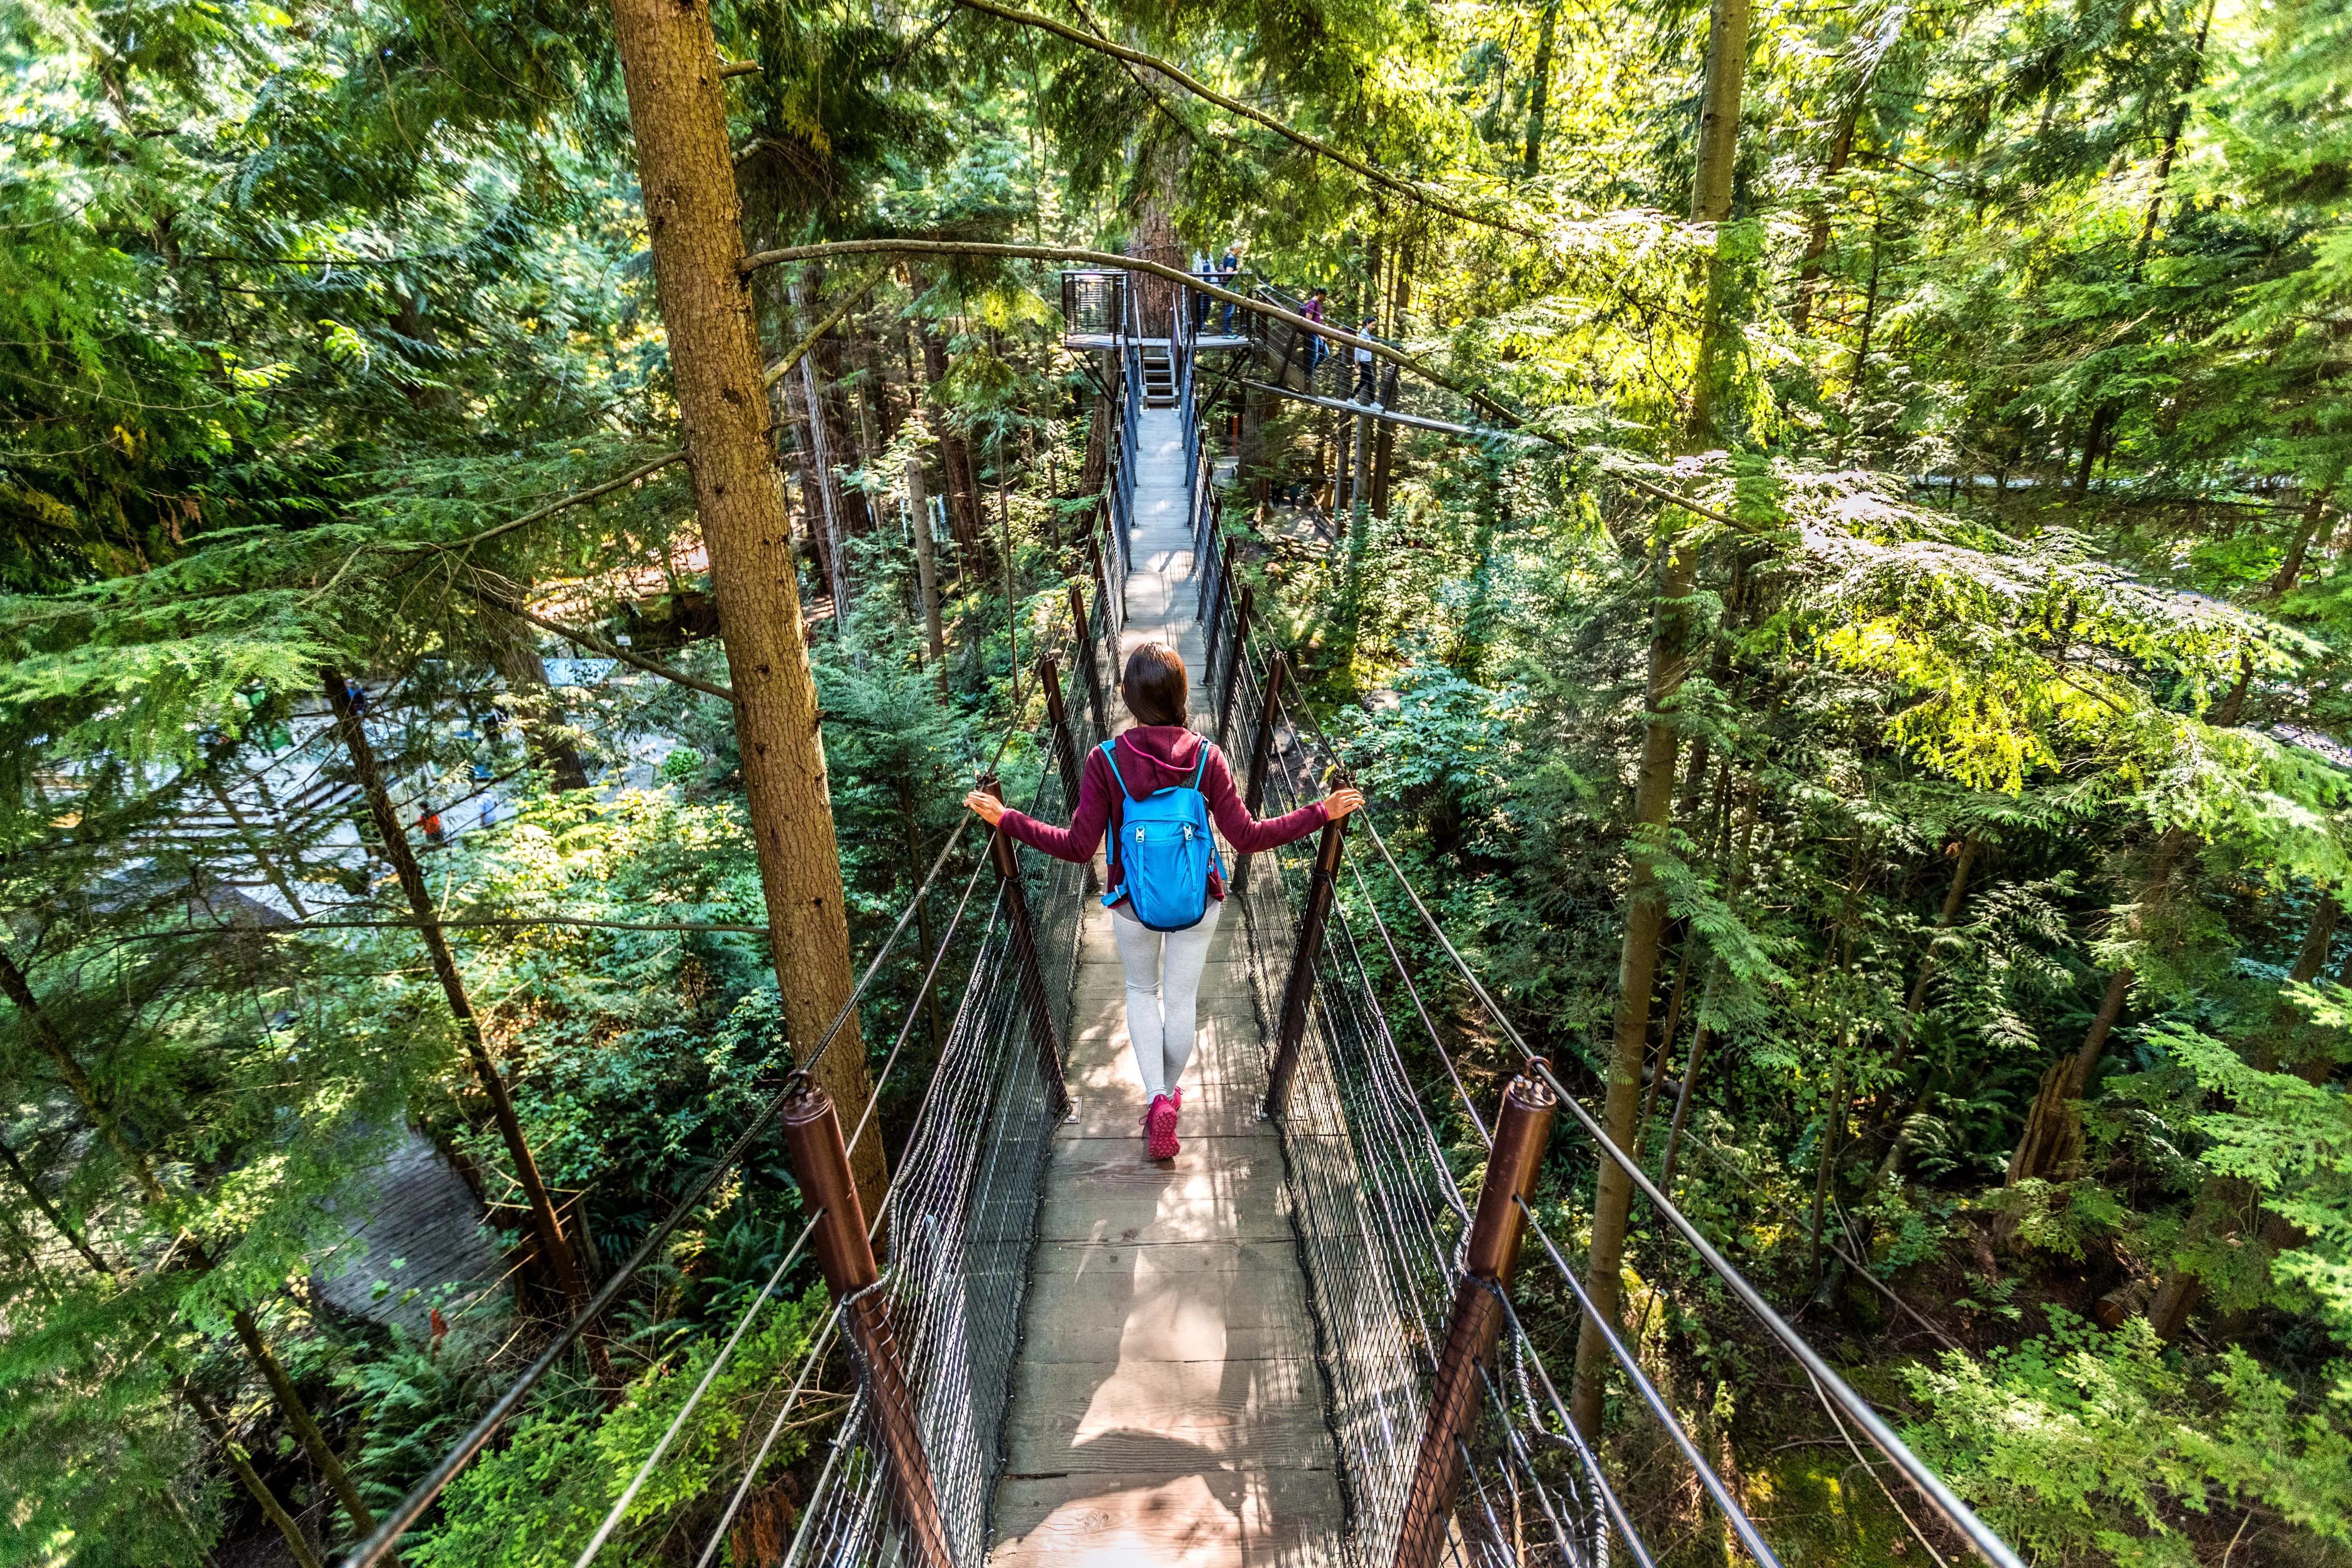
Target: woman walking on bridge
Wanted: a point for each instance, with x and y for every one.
(1156, 788)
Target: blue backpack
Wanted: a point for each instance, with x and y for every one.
(1165, 850)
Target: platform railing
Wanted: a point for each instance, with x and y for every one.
(1093, 302)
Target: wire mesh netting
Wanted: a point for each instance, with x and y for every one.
(963, 1199)
(1377, 1213)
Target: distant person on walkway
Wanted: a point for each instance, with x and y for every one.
(1229, 268)
(430, 821)
(1199, 268)
(1315, 348)
(1136, 786)
(1365, 392)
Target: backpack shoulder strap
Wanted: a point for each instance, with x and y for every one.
(1203, 765)
(1110, 754)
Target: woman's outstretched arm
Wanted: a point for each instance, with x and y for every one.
(1078, 841)
(1245, 833)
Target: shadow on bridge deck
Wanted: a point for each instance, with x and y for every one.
(1168, 1407)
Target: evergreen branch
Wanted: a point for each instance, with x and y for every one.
(595, 644)
(800, 351)
(1135, 74)
(576, 498)
(1410, 190)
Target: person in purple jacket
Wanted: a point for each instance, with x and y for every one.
(1163, 968)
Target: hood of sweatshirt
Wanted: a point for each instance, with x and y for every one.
(1154, 756)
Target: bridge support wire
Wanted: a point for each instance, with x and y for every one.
(1365, 1221)
(964, 1197)
(1931, 1487)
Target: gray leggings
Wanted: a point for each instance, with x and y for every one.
(1163, 989)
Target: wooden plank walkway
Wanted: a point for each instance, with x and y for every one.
(1168, 1408)
(417, 1228)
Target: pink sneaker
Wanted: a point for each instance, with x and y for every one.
(1160, 1129)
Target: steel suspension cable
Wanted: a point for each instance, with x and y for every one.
(1502, 1404)
(677, 1422)
(1396, 960)
(1742, 1526)
(1955, 1513)
(808, 1364)
(405, 1515)
(914, 1011)
(1571, 1437)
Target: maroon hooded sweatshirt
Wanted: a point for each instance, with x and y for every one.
(1152, 757)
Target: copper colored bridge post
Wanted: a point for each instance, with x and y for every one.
(1026, 963)
(1489, 1256)
(821, 1166)
(1299, 991)
(1261, 751)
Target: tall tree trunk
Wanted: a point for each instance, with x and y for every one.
(1899, 1143)
(671, 63)
(2318, 936)
(792, 412)
(2180, 122)
(100, 1113)
(927, 570)
(2095, 441)
(1826, 1152)
(1384, 451)
(887, 416)
(57, 1221)
(1645, 899)
(955, 456)
(2105, 418)
(1954, 896)
(2315, 510)
(254, 845)
(915, 869)
(1539, 90)
(1869, 308)
(1343, 464)
(296, 1544)
(824, 364)
(1360, 484)
(1816, 239)
(1251, 461)
(555, 1247)
(825, 458)
(1154, 239)
(514, 654)
(1096, 468)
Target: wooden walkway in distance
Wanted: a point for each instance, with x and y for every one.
(416, 1227)
(1168, 1408)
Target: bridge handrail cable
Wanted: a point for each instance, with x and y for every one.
(1957, 1513)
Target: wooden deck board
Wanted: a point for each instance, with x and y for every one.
(1168, 1408)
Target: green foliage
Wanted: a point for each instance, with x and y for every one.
(2085, 1447)
(544, 1492)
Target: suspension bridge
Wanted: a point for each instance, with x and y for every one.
(1299, 1341)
